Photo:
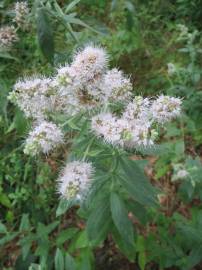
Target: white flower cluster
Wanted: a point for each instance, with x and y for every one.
(88, 84)
(75, 180)
(44, 138)
(172, 69)
(85, 84)
(138, 124)
(116, 87)
(36, 97)
(8, 37)
(180, 172)
(185, 35)
(183, 31)
(165, 108)
(21, 12)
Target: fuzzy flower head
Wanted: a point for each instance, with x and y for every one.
(120, 131)
(105, 125)
(34, 96)
(183, 31)
(137, 109)
(21, 13)
(116, 87)
(180, 172)
(165, 108)
(80, 81)
(45, 137)
(171, 69)
(89, 65)
(8, 37)
(75, 180)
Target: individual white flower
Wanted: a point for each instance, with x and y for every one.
(182, 174)
(171, 69)
(75, 180)
(8, 37)
(63, 76)
(35, 96)
(43, 138)
(165, 108)
(116, 87)
(139, 108)
(21, 12)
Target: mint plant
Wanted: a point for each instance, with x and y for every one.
(93, 109)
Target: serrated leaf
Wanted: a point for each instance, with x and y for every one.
(136, 183)
(69, 262)
(66, 235)
(3, 229)
(45, 34)
(63, 206)
(59, 260)
(7, 238)
(127, 249)
(120, 218)
(6, 55)
(82, 240)
(98, 222)
(71, 5)
(20, 122)
(24, 224)
(138, 211)
(26, 243)
(141, 254)
(4, 200)
(194, 257)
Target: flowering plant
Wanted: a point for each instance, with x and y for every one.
(93, 109)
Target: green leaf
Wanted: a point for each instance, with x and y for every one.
(86, 258)
(7, 55)
(24, 225)
(3, 229)
(59, 260)
(26, 244)
(45, 35)
(98, 222)
(69, 262)
(136, 183)
(66, 235)
(7, 238)
(79, 22)
(138, 211)
(71, 5)
(120, 218)
(52, 226)
(20, 122)
(194, 258)
(141, 254)
(127, 249)
(63, 206)
(82, 240)
(4, 200)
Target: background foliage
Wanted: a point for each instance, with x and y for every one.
(142, 38)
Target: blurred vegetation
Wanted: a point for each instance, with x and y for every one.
(141, 37)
